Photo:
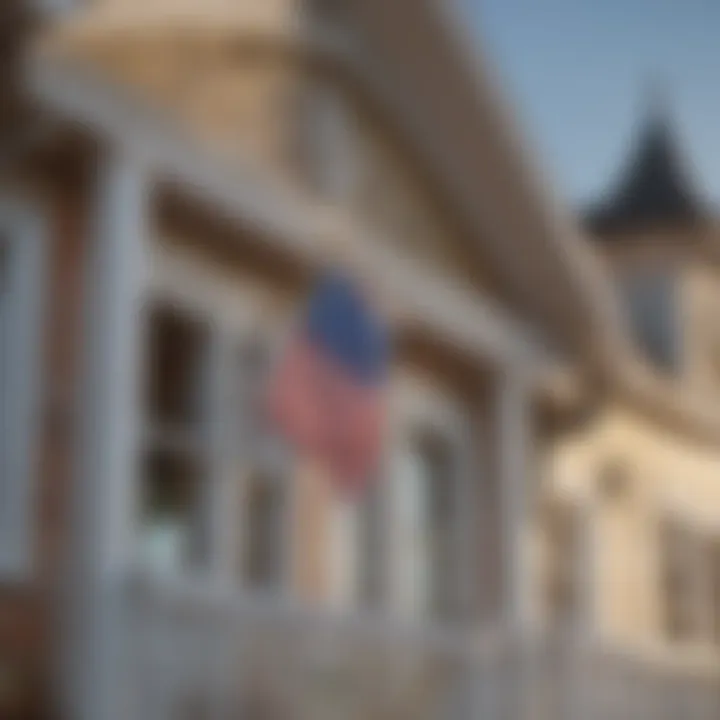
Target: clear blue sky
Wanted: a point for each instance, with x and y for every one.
(578, 71)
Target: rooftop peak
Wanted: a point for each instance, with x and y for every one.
(655, 187)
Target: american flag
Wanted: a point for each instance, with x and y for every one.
(327, 395)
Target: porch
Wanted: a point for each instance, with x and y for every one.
(177, 647)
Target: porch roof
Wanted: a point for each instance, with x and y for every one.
(415, 58)
(244, 195)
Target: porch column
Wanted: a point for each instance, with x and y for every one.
(514, 468)
(106, 483)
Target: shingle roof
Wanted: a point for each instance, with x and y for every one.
(655, 189)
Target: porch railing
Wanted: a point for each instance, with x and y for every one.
(203, 653)
(193, 653)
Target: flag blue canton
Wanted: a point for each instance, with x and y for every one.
(341, 324)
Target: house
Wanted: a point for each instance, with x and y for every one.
(174, 176)
(637, 475)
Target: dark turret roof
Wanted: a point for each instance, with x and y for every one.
(655, 188)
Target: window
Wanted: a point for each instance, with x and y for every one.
(21, 285)
(213, 477)
(423, 494)
(176, 461)
(651, 302)
(172, 505)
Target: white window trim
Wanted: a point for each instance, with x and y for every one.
(23, 233)
(237, 308)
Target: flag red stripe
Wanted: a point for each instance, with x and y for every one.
(325, 412)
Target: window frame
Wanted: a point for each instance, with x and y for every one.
(23, 238)
(420, 410)
(186, 438)
(236, 312)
